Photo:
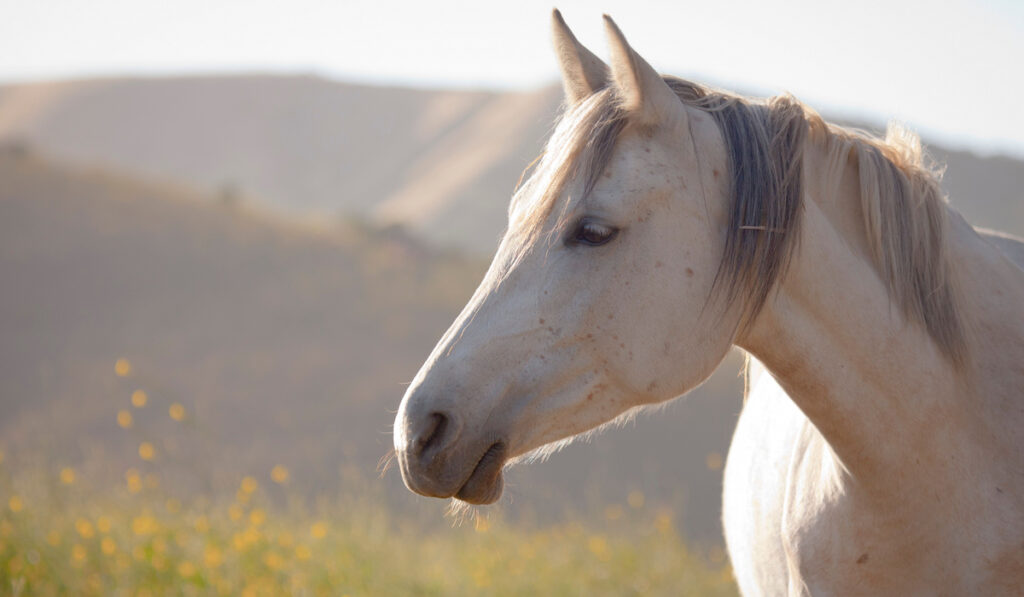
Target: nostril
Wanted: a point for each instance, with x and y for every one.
(432, 435)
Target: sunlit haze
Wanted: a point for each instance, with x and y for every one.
(952, 69)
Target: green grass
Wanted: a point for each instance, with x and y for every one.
(104, 530)
(59, 536)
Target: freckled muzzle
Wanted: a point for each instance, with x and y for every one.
(439, 458)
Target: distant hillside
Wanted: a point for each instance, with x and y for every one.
(444, 161)
(441, 163)
(286, 343)
(283, 341)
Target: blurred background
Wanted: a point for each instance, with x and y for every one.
(230, 232)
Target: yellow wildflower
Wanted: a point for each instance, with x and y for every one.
(139, 398)
(124, 419)
(147, 451)
(134, 481)
(122, 368)
(78, 554)
(303, 553)
(84, 528)
(145, 525)
(273, 561)
(186, 569)
(598, 546)
(212, 557)
(249, 485)
(279, 474)
(177, 411)
(257, 517)
(67, 475)
(15, 504)
(664, 522)
(108, 546)
(318, 530)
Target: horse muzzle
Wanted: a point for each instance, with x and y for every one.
(439, 458)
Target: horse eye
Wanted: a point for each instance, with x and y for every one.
(591, 233)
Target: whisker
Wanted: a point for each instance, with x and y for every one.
(385, 463)
(459, 511)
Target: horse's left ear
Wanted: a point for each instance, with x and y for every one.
(583, 74)
(645, 95)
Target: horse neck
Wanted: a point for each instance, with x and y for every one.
(874, 383)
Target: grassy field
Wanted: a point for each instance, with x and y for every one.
(123, 524)
(67, 531)
(59, 536)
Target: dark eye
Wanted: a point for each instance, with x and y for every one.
(591, 233)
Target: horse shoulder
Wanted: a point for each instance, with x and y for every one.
(792, 523)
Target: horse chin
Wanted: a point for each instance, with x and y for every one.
(485, 483)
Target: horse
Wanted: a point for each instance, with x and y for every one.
(879, 450)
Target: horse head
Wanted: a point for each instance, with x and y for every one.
(599, 299)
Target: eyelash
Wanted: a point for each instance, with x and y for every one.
(589, 233)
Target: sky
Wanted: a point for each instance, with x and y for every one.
(951, 69)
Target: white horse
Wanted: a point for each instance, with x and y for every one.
(883, 450)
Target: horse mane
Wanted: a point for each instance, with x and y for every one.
(906, 221)
(904, 209)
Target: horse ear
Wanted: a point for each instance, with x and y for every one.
(645, 95)
(582, 72)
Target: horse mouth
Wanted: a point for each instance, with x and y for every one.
(485, 483)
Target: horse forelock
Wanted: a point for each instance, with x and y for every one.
(578, 152)
(765, 140)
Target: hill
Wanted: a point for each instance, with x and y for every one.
(285, 342)
(441, 159)
(298, 334)
(441, 164)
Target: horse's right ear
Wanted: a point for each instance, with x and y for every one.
(644, 94)
(582, 72)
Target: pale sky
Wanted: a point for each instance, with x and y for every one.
(952, 69)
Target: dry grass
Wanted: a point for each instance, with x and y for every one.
(61, 535)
